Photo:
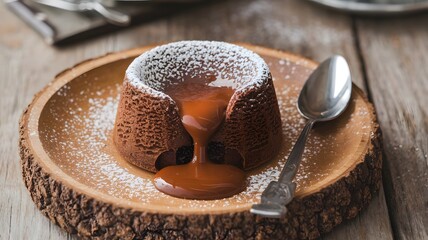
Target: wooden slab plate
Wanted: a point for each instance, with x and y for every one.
(78, 180)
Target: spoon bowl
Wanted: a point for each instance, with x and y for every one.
(327, 91)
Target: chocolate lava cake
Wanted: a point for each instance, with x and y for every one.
(148, 130)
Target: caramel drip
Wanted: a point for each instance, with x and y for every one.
(202, 109)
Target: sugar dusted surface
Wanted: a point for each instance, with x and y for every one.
(162, 66)
(79, 141)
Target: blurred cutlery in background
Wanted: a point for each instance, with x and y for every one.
(83, 19)
(37, 20)
(112, 16)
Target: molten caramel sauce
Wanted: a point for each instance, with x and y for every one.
(202, 109)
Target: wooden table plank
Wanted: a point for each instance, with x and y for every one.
(395, 53)
(27, 64)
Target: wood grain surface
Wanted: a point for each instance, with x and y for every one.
(388, 57)
(399, 90)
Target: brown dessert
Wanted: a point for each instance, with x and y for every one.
(148, 130)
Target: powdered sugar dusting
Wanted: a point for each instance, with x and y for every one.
(84, 151)
(168, 64)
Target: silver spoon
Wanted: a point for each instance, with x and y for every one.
(324, 97)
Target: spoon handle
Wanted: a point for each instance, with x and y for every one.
(280, 193)
(292, 165)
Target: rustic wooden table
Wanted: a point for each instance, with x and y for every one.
(388, 58)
